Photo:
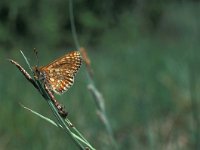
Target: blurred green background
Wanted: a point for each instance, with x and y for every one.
(145, 56)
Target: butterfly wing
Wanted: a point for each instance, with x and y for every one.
(59, 75)
(70, 61)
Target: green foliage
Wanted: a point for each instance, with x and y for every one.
(145, 57)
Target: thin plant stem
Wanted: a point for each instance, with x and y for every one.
(73, 27)
(98, 98)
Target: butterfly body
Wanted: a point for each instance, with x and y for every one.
(59, 75)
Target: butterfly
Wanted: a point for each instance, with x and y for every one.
(59, 75)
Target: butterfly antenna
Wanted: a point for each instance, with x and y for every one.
(36, 56)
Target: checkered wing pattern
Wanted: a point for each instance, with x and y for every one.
(59, 75)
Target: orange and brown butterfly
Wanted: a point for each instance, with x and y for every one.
(59, 74)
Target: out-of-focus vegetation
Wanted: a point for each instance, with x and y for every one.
(145, 56)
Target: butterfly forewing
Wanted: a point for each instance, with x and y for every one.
(59, 75)
(70, 62)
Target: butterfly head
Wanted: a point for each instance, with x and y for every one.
(38, 74)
